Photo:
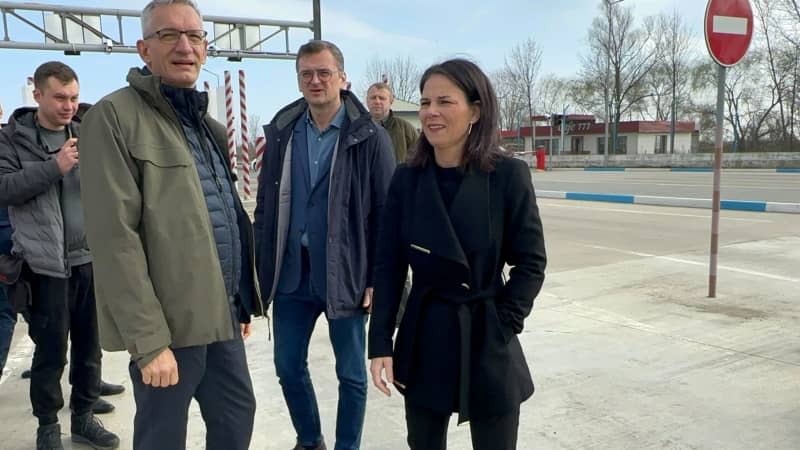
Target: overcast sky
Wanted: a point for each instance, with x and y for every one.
(427, 30)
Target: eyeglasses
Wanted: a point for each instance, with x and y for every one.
(171, 36)
(322, 74)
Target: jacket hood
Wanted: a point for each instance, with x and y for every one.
(23, 122)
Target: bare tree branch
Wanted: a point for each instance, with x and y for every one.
(522, 67)
(402, 74)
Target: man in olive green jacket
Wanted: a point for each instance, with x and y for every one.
(404, 137)
(173, 246)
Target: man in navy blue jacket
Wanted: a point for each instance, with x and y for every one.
(321, 190)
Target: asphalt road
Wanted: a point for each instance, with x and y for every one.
(626, 349)
(754, 185)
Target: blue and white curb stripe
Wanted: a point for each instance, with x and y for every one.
(676, 169)
(734, 205)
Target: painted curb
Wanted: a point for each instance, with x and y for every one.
(704, 203)
(674, 169)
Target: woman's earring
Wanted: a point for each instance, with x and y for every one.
(469, 130)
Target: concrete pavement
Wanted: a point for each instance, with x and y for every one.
(626, 349)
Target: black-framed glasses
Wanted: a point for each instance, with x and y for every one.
(322, 74)
(171, 36)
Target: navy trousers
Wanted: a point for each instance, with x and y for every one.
(8, 318)
(215, 375)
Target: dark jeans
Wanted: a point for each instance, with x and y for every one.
(8, 318)
(215, 375)
(295, 315)
(427, 430)
(62, 309)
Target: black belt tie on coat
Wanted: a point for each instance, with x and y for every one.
(464, 300)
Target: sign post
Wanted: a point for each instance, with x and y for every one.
(728, 32)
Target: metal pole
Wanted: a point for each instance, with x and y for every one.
(563, 128)
(550, 142)
(614, 129)
(715, 202)
(674, 112)
(317, 21)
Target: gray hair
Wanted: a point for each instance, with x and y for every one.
(147, 12)
(313, 47)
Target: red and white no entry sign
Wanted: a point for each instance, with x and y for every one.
(728, 30)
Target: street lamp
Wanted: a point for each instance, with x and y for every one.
(606, 100)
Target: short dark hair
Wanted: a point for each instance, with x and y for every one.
(483, 143)
(57, 69)
(315, 46)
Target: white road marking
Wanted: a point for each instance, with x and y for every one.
(654, 213)
(730, 25)
(650, 183)
(695, 263)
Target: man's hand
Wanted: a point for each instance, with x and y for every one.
(367, 303)
(67, 157)
(246, 328)
(377, 367)
(162, 371)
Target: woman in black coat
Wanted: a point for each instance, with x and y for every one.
(457, 213)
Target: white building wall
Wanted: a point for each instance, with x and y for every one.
(638, 143)
(683, 143)
(647, 143)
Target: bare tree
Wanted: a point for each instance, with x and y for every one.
(786, 14)
(781, 61)
(750, 106)
(675, 40)
(522, 67)
(552, 93)
(510, 101)
(631, 55)
(401, 73)
(254, 130)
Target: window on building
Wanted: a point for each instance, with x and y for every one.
(601, 145)
(577, 144)
(661, 144)
(622, 145)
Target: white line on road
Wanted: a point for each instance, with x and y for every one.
(650, 183)
(555, 204)
(695, 263)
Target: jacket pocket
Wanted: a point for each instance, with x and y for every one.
(162, 156)
(506, 333)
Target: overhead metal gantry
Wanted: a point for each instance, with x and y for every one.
(73, 29)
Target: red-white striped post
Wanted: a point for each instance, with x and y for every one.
(231, 127)
(245, 138)
(261, 144)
